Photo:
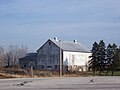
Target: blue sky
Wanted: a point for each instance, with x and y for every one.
(32, 22)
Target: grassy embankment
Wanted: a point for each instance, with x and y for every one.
(20, 73)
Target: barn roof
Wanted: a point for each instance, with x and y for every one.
(28, 56)
(70, 46)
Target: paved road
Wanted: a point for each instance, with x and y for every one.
(64, 83)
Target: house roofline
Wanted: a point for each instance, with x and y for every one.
(61, 48)
(46, 42)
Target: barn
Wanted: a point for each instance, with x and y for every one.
(71, 55)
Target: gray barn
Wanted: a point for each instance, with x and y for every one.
(73, 54)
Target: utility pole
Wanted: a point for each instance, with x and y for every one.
(31, 69)
(61, 60)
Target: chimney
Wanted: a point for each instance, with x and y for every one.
(55, 38)
(75, 41)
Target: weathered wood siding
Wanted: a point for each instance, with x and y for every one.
(48, 57)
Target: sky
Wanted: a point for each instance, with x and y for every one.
(33, 22)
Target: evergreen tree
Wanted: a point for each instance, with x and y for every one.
(93, 61)
(116, 59)
(110, 55)
(101, 56)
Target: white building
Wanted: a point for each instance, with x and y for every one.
(74, 55)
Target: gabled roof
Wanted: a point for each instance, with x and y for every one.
(70, 46)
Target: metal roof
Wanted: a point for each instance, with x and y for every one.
(70, 46)
(29, 55)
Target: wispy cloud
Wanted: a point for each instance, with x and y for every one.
(36, 20)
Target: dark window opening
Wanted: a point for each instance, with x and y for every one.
(55, 66)
(49, 43)
(25, 66)
(42, 66)
(49, 66)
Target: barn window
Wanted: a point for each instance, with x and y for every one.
(49, 43)
(49, 66)
(55, 66)
(42, 66)
(24, 66)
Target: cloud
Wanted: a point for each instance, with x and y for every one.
(35, 20)
(61, 11)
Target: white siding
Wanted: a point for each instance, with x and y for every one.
(75, 58)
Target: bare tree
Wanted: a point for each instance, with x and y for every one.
(1, 55)
(14, 53)
(20, 52)
(23, 50)
(8, 59)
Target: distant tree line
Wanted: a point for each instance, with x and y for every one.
(10, 56)
(104, 58)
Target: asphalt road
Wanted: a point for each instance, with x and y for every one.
(63, 83)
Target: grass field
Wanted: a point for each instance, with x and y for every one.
(18, 73)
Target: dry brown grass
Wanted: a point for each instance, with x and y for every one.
(25, 73)
(13, 73)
